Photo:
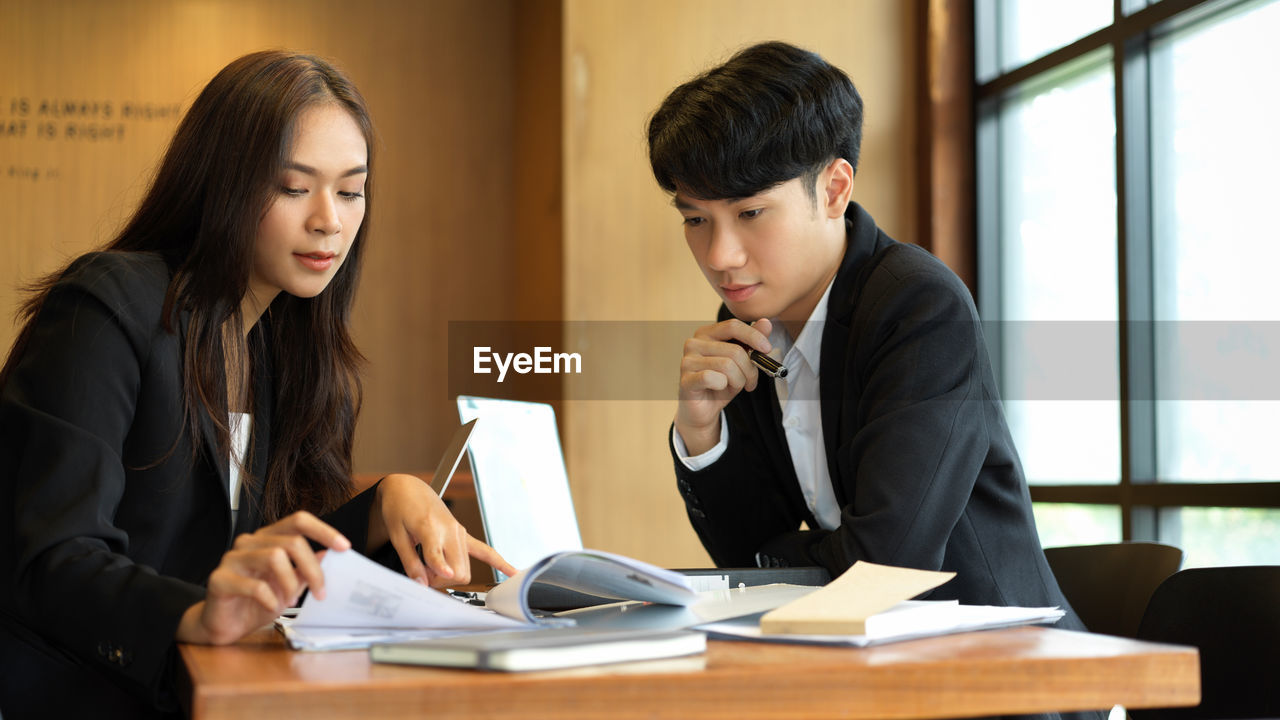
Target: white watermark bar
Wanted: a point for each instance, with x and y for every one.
(1231, 361)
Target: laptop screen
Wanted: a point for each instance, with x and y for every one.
(522, 487)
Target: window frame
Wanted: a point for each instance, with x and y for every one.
(951, 27)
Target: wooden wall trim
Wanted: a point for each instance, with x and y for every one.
(947, 176)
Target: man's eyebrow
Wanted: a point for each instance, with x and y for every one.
(681, 204)
(357, 170)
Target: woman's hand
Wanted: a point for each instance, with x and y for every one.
(408, 514)
(262, 574)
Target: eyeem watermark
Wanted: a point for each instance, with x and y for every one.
(542, 362)
(1219, 361)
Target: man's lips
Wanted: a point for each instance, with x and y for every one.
(737, 292)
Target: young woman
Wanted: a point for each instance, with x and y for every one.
(176, 415)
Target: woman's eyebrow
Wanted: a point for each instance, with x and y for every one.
(357, 170)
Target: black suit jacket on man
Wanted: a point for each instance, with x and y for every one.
(112, 520)
(922, 462)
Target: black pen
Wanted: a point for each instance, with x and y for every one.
(771, 367)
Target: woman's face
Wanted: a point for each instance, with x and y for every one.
(307, 231)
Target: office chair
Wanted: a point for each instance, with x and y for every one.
(1232, 614)
(1109, 585)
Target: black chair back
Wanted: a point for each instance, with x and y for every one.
(1109, 585)
(1232, 614)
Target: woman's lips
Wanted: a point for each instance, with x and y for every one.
(739, 293)
(318, 262)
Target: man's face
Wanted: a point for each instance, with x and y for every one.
(770, 255)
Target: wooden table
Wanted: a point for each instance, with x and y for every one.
(1019, 670)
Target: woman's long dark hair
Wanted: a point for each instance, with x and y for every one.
(201, 214)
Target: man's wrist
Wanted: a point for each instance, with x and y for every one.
(699, 440)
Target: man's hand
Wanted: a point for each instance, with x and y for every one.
(713, 370)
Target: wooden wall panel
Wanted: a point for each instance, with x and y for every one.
(624, 254)
(511, 184)
(438, 78)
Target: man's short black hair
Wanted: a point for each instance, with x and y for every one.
(773, 112)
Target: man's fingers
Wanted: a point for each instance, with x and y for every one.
(693, 382)
(754, 336)
(717, 373)
(728, 357)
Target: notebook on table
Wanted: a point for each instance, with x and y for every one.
(545, 649)
(522, 489)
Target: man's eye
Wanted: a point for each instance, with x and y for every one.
(750, 214)
(693, 221)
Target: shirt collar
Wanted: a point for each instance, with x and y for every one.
(809, 344)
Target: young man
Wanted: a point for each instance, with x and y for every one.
(886, 438)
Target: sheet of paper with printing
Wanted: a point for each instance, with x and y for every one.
(364, 601)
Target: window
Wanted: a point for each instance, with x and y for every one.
(1129, 270)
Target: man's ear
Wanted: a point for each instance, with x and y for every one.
(835, 187)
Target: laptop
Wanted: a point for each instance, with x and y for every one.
(522, 489)
(452, 456)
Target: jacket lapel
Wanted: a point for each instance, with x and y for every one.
(833, 392)
(768, 417)
(766, 412)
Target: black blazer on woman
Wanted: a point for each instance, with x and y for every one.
(921, 460)
(112, 521)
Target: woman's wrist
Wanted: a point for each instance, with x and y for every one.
(190, 629)
(376, 536)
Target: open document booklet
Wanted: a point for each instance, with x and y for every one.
(367, 604)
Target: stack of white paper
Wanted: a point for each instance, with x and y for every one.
(907, 620)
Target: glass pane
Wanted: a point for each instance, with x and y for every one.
(1223, 536)
(1058, 278)
(1068, 524)
(1032, 28)
(1129, 7)
(1214, 155)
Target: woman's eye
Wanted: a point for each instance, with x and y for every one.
(750, 214)
(351, 195)
(293, 191)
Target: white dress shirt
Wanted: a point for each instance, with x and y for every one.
(801, 416)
